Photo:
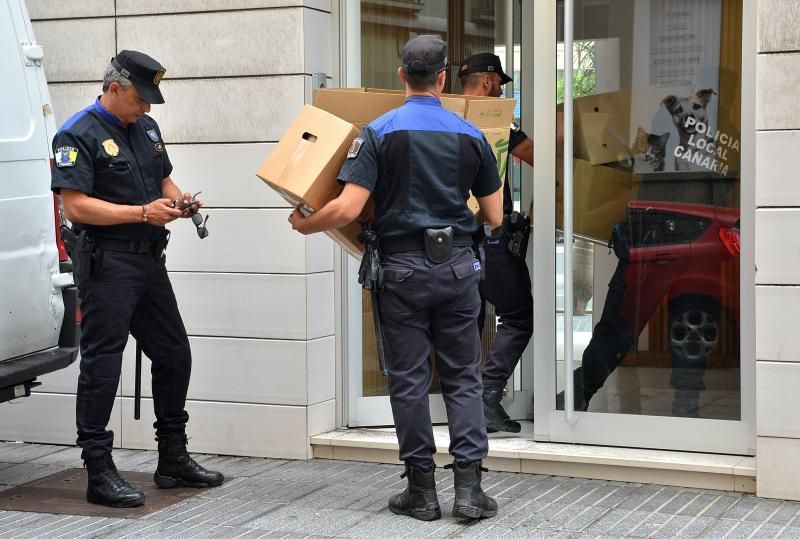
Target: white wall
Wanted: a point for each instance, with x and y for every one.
(778, 250)
(257, 298)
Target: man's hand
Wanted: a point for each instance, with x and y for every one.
(184, 203)
(160, 212)
(297, 220)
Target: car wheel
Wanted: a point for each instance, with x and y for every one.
(693, 330)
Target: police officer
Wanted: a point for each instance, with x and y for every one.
(507, 285)
(420, 162)
(113, 174)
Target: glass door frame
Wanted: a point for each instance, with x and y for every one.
(550, 424)
(356, 409)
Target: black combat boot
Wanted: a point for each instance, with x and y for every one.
(496, 417)
(177, 469)
(471, 501)
(106, 487)
(419, 499)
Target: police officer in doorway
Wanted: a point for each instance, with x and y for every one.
(113, 174)
(420, 162)
(507, 285)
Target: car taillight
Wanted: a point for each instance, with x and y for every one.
(730, 239)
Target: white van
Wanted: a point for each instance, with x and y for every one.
(38, 302)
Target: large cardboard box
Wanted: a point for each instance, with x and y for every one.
(304, 165)
(600, 198)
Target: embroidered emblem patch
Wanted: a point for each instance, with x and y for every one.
(153, 134)
(111, 147)
(158, 77)
(355, 147)
(66, 156)
(159, 147)
(476, 266)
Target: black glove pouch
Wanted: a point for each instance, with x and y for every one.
(438, 244)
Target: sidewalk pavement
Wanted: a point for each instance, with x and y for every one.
(321, 498)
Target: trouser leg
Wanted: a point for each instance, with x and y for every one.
(406, 327)
(611, 339)
(108, 300)
(158, 326)
(453, 327)
(507, 286)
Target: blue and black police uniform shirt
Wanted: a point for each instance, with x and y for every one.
(421, 161)
(95, 154)
(516, 138)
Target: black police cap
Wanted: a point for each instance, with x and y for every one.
(424, 55)
(484, 62)
(143, 71)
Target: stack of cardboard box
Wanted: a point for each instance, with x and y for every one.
(304, 165)
(603, 181)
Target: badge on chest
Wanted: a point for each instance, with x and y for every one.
(111, 147)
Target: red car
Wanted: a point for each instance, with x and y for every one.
(678, 250)
(686, 253)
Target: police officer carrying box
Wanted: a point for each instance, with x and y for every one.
(507, 284)
(420, 162)
(113, 174)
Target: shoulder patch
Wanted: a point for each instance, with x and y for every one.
(355, 147)
(66, 156)
(153, 134)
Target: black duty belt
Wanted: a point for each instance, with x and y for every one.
(417, 243)
(126, 246)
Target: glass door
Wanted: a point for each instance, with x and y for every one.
(637, 225)
(469, 27)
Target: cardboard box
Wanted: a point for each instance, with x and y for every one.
(304, 165)
(600, 198)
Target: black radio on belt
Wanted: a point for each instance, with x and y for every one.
(518, 230)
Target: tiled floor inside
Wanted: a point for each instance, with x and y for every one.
(322, 498)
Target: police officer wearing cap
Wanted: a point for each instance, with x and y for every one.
(507, 285)
(420, 163)
(113, 174)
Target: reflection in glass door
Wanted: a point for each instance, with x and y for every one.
(654, 266)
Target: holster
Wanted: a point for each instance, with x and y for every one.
(81, 255)
(370, 276)
(438, 244)
(518, 231)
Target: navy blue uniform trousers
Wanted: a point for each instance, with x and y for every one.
(129, 292)
(507, 286)
(424, 304)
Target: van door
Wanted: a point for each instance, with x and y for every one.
(31, 307)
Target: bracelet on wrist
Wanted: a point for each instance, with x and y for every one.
(144, 213)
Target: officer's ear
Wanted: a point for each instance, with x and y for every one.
(401, 74)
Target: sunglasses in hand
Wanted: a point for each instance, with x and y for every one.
(200, 223)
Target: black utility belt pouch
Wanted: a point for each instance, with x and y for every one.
(81, 255)
(438, 244)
